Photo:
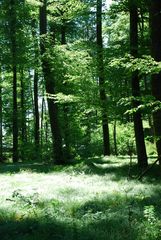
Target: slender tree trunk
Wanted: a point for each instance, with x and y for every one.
(1, 119)
(13, 21)
(36, 108)
(42, 122)
(138, 125)
(15, 117)
(63, 33)
(156, 78)
(23, 110)
(50, 89)
(46, 128)
(23, 116)
(101, 79)
(31, 90)
(115, 138)
(65, 106)
(36, 104)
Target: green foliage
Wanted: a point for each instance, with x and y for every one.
(151, 148)
(150, 228)
(80, 205)
(73, 65)
(65, 10)
(144, 65)
(34, 2)
(125, 139)
(146, 104)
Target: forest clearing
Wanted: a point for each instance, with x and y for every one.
(80, 119)
(82, 201)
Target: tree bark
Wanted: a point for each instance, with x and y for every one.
(138, 125)
(115, 138)
(101, 79)
(36, 80)
(23, 115)
(36, 111)
(50, 89)
(65, 106)
(155, 15)
(12, 11)
(1, 119)
(15, 117)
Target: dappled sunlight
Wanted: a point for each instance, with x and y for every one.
(80, 120)
(64, 186)
(83, 201)
(78, 183)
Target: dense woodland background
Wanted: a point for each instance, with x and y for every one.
(78, 79)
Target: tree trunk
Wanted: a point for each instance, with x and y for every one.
(23, 116)
(101, 79)
(50, 89)
(156, 78)
(12, 12)
(65, 106)
(115, 138)
(15, 117)
(36, 111)
(36, 80)
(42, 123)
(46, 127)
(138, 125)
(1, 119)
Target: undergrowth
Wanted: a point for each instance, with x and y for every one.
(92, 200)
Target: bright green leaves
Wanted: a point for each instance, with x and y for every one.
(36, 3)
(73, 69)
(144, 65)
(65, 10)
(63, 98)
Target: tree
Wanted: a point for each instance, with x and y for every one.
(155, 13)
(1, 119)
(23, 114)
(101, 79)
(36, 92)
(12, 22)
(50, 88)
(138, 126)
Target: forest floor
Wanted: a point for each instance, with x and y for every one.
(91, 200)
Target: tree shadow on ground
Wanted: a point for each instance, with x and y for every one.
(86, 167)
(118, 168)
(115, 217)
(41, 229)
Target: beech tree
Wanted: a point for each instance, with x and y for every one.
(50, 88)
(101, 79)
(155, 8)
(13, 48)
(138, 126)
(1, 119)
(36, 90)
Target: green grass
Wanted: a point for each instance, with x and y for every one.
(91, 200)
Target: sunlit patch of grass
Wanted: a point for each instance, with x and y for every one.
(83, 201)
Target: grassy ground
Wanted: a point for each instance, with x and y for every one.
(92, 200)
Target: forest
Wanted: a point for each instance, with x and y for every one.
(80, 119)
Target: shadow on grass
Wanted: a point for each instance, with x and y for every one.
(111, 218)
(115, 217)
(124, 171)
(33, 229)
(33, 167)
(117, 168)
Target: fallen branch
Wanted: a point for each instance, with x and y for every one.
(11, 200)
(147, 169)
